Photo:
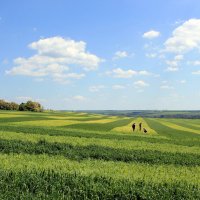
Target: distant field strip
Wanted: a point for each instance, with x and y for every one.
(63, 122)
(128, 128)
(192, 124)
(178, 127)
(47, 123)
(106, 124)
(170, 131)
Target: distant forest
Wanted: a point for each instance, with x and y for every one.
(28, 106)
(149, 113)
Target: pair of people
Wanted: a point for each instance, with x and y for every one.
(140, 127)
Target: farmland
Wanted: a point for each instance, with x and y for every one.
(73, 155)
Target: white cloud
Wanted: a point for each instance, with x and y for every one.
(151, 34)
(96, 88)
(64, 78)
(166, 87)
(178, 22)
(120, 54)
(182, 81)
(79, 98)
(173, 65)
(27, 98)
(172, 69)
(194, 63)
(120, 73)
(151, 55)
(196, 72)
(118, 87)
(144, 72)
(24, 98)
(41, 100)
(185, 37)
(140, 84)
(178, 57)
(54, 57)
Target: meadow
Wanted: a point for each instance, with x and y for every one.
(74, 155)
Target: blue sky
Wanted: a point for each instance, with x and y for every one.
(106, 54)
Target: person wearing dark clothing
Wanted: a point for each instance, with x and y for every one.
(133, 126)
(140, 126)
(145, 130)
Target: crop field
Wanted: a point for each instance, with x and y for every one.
(73, 155)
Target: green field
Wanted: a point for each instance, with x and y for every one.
(72, 155)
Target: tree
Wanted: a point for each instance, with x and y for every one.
(22, 107)
(28, 106)
(2, 104)
(33, 106)
(8, 105)
(14, 106)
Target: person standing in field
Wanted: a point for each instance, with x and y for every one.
(133, 127)
(140, 126)
(145, 130)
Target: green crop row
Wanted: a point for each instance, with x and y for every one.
(170, 132)
(117, 144)
(113, 143)
(53, 185)
(54, 177)
(100, 127)
(99, 152)
(185, 123)
(116, 170)
(101, 135)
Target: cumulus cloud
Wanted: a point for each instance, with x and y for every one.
(182, 81)
(27, 98)
(151, 55)
(120, 54)
(96, 88)
(120, 73)
(184, 38)
(194, 63)
(140, 84)
(24, 98)
(118, 87)
(55, 57)
(79, 98)
(151, 34)
(196, 72)
(166, 87)
(178, 57)
(173, 65)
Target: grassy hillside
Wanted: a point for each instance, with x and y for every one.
(69, 155)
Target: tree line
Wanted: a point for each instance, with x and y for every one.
(28, 106)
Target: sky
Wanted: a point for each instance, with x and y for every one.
(97, 55)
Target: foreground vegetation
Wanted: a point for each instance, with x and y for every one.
(68, 155)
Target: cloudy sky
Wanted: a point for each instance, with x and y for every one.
(108, 54)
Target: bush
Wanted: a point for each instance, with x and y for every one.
(8, 105)
(28, 106)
